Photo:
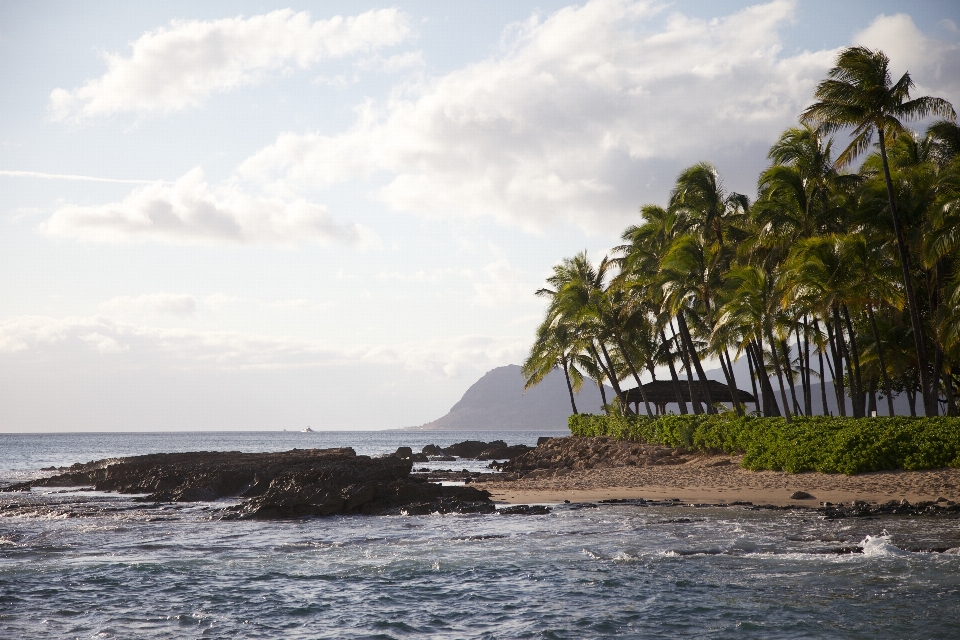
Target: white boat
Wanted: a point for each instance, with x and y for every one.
(307, 430)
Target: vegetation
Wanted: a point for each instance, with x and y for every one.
(828, 274)
(828, 445)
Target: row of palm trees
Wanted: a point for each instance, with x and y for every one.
(834, 274)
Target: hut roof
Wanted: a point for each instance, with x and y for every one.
(662, 392)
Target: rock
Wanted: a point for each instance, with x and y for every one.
(278, 485)
(525, 510)
(504, 453)
(472, 448)
(543, 440)
(403, 452)
(801, 495)
(859, 509)
(432, 450)
(573, 453)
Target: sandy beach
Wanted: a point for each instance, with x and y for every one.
(720, 479)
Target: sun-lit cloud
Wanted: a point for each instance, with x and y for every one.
(934, 65)
(563, 124)
(190, 211)
(183, 63)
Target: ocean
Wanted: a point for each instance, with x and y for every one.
(82, 564)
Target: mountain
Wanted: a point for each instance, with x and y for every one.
(497, 402)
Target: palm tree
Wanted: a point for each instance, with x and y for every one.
(555, 347)
(750, 312)
(858, 93)
(578, 297)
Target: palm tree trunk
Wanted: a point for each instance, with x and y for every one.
(842, 345)
(685, 358)
(938, 357)
(805, 369)
(603, 393)
(731, 384)
(856, 359)
(823, 383)
(929, 404)
(731, 381)
(949, 394)
(793, 387)
(566, 374)
(636, 376)
(872, 407)
(770, 407)
(823, 379)
(883, 366)
(837, 370)
(776, 367)
(753, 379)
(673, 374)
(704, 385)
(612, 375)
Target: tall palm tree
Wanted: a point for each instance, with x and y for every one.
(859, 94)
(555, 347)
(577, 294)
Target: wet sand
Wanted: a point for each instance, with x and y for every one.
(719, 479)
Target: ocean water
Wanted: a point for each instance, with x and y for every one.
(77, 564)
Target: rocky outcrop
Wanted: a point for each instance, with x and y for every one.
(277, 485)
(476, 450)
(573, 453)
(406, 453)
(863, 509)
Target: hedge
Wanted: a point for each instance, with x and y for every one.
(828, 445)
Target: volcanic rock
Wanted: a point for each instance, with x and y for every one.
(571, 453)
(472, 448)
(504, 453)
(279, 485)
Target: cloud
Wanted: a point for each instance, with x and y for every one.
(63, 176)
(189, 211)
(165, 304)
(180, 65)
(563, 123)
(39, 338)
(934, 65)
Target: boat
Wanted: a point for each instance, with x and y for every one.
(307, 430)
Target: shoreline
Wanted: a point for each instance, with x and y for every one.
(719, 479)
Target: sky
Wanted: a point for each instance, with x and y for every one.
(251, 215)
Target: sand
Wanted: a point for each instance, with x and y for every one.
(720, 479)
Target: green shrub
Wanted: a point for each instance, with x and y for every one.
(828, 445)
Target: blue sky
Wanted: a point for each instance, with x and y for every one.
(262, 216)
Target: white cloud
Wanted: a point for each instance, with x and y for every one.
(39, 338)
(104, 345)
(934, 65)
(189, 211)
(559, 126)
(169, 304)
(395, 63)
(180, 65)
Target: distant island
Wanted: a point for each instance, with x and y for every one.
(497, 402)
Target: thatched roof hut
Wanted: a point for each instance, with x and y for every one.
(662, 393)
